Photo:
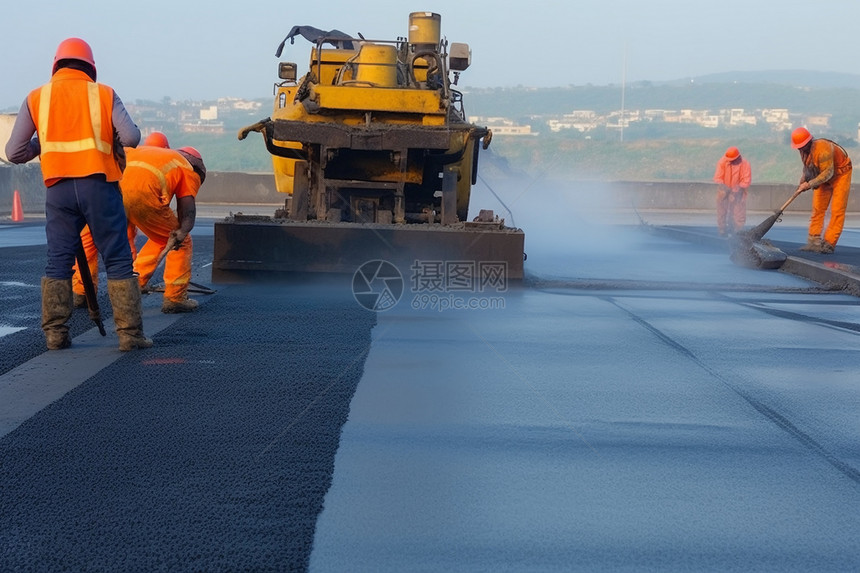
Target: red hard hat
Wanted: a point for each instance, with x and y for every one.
(190, 151)
(74, 49)
(800, 137)
(732, 153)
(156, 139)
(196, 160)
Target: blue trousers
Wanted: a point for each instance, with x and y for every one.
(72, 203)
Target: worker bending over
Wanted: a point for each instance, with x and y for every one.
(152, 178)
(81, 127)
(154, 139)
(827, 171)
(733, 177)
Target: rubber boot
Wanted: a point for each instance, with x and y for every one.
(826, 248)
(813, 244)
(56, 310)
(125, 299)
(176, 306)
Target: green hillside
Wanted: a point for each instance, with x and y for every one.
(649, 150)
(643, 160)
(663, 151)
(840, 103)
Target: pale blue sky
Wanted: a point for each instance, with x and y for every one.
(157, 48)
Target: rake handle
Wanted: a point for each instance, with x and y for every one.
(790, 199)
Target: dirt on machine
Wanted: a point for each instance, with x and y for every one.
(375, 157)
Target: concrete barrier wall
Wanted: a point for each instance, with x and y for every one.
(702, 196)
(27, 179)
(259, 188)
(219, 187)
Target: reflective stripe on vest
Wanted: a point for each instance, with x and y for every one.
(159, 172)
(95, 142)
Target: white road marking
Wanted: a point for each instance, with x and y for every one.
(4, 330)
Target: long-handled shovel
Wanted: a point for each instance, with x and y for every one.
(759, 230)
(171, 242)
(89, 290)
(745, 249)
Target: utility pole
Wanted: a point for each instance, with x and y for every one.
(623, 87)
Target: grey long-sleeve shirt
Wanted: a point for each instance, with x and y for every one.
(22, 146)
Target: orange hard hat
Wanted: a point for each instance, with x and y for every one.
(800, 137)
(73, 49)
(156, 139)
(196, 160)
(732, 153)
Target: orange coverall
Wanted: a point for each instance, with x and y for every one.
(734, 178)
(827, 169)
(153, 177)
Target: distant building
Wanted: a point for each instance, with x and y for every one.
(502, 126)
(777, 118)
(738, 116)
(209, 113)
(214, 127)
(582, 120)
(710, 121)
(239, 104)
(818, 121)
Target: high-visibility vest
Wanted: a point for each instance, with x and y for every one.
(152, 172)
(73, 118)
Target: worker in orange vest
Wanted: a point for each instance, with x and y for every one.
(155, 139)
(733, 176)
(153, 177)
(81, 127)
(827, 171)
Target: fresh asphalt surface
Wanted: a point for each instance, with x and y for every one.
(637, 404)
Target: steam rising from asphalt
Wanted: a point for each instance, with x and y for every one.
(558, 216)
(577, 231)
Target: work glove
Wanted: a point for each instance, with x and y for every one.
(178, 236)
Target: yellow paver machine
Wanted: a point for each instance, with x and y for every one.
(376, 159)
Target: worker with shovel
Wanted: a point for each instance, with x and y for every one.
(156, 139)
(733, 176)
(154, 174)
(827, 171)
(153, 177)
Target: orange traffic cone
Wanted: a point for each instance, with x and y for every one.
(17, 210)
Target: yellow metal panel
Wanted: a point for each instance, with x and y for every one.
(377, 65)
(332, 61)
(379, 99)
(288, 170)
